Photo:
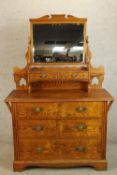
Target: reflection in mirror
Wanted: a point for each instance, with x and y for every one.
(58, 43)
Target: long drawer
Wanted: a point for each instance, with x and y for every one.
(29, 129)
(68, 75)
(60, 110)
(59, 149)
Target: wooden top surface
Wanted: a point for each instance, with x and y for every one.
(59, 95)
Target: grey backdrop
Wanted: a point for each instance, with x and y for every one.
(14, 28)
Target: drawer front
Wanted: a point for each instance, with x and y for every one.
(79, 149)
(34, 129)
(45, 76)
(60, 149)
(28, 129)
(35, 110)
(36, 150)
(82, 109)
(91, 128)
(60, 110)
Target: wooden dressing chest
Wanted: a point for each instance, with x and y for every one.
(59, 116)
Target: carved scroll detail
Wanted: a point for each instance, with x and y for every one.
(20, 74)
(97, 73)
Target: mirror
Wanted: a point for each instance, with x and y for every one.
(58, 43)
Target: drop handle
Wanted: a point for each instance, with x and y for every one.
(73, 76)
(80, 149)
(37, 128)
(39, 149)
(81, 109)
(38, 109)
(81, 127)
(42, 76)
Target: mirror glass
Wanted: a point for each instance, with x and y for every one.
(58, 43)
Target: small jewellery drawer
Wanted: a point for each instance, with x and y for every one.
(61, 75)
(82, 109)
(30, 129)
(35, 110)
(59, 149)
(91, 128)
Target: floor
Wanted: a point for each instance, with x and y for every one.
(6, 158)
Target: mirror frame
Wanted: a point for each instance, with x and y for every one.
(56, 19)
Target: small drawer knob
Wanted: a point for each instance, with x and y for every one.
(39, 149)
(37, 128)
(38, 109)
(81, 109)
(80, 149)
(81, 127)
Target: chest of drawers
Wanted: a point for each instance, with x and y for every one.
(59, 128)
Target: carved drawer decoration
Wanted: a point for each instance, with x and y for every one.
(35, 110)
(80, 128)
(36, 129)
(82, 109)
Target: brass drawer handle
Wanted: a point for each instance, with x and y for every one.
(37, 128)
(73, 76)
(81, 109)
(39, 149)
(43, 76)
(38, 109)
(80, 127)
(80, 149)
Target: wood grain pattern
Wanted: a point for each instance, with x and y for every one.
(81, 109)
(60, 110)
(29, 110)
(71, 95)
(67, 85)
(53, 76)
(60, 149)
(86, 128)
(80, 128)
(37, 129)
